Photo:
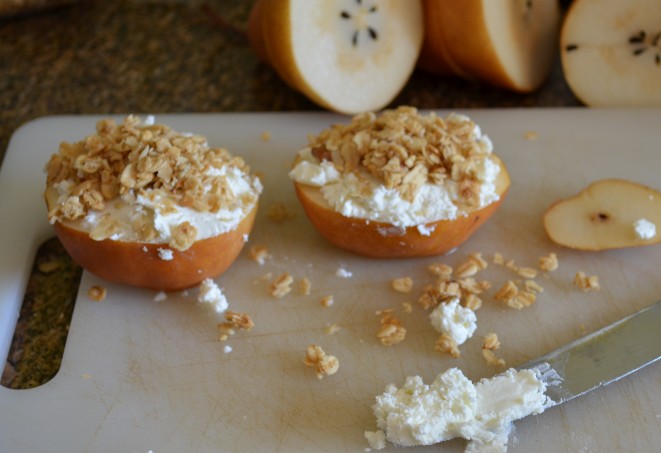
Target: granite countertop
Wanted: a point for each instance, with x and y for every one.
(100, 57)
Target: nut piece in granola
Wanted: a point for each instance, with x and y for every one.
(260, 253)
(233, 321)
(585, 282)
(489, 345)
(278, 213)
(391, 331)
(323, 364)
(601, 216)
(440, 175)
(471, 266)
(327, 301)
(305, 286)
(510, 295)
(446, 344)
(281, 286)
(402, 284)
(549, 263)
(97, 293)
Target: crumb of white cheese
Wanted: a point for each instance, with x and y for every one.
(644, 229)
(160, 296)
(165, 254)
(457, 322)
(343, 273)
(376, 439)
(211, 295)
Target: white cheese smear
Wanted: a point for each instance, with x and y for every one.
(363, 196)
(452, 406)
(165, 217)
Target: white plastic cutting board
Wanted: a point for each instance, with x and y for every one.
(140, 375)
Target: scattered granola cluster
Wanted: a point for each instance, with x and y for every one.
(585, 282)
(278, 213)
(459, 286)
(151, 167)
(452, 284)
(489, 345)
(233, 321)
(402, 284)
(97, 293)
(281, 286)
(259, 253)
(323, 364)
(391, 331)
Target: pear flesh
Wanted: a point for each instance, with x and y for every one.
(346, 55)
(604, 216)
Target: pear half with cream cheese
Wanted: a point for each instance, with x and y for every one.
(400, 184)
(143, 205)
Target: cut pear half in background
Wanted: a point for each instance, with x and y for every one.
(603, 216)
(512, 43)
(611, 52)
(349, 56)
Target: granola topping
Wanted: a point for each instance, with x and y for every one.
(401, 167)
(145, 182)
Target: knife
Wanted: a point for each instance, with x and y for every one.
(601, 357)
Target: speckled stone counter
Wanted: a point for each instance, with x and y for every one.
(98, 57)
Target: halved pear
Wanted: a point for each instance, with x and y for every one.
(349, 56)
(603, 216)
(511, 44)
(139, 264)
(611, 52)
(384, 240)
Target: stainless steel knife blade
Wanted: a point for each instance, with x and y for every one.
(601, 357)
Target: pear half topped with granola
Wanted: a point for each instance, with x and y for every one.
(140, 204)
(400, 184)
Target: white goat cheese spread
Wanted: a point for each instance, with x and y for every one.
(166, 216)
(644, 229)
(358, 194)
(452, 406)
(212, 296)
(457, 322)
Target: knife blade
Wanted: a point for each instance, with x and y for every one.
(601, 357)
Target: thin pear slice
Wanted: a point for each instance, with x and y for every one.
(349, 56)
(603, 215)
(511, 44)
(611, 52)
